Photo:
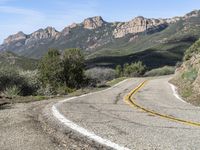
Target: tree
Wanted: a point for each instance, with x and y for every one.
(134, 69)
(118, 71)
(51, 69)
(62, 72)
(74, 65)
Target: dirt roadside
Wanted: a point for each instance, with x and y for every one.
(24, 126)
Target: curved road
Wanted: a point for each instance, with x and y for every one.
(112, 119)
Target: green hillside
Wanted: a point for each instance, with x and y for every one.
(163, 48)
(9, 59)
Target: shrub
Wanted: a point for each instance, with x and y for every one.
(63, 90)
(51, 69)
(11, 92)
(134, 69)
(46, 90)
(119, 71)
(194, 49)
(100, 75)
(73, 67)
(60, 73)
(166, 70)
(31, 82)
(25, 81)
(190, 75)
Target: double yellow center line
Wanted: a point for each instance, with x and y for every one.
(131, 101)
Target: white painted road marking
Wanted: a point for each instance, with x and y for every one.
(175, 93)
(81, 130)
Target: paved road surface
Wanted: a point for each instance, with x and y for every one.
(108, 116)
(33, 126)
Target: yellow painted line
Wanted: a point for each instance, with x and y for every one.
(130, 100)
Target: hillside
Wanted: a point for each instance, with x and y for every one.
(188, 75)
(10, 59)
(156, 42)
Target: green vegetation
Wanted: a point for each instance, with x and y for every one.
(194, 49)
(187, 92)
(12, 78)
(166, 70)
(187, 78)
(99, 76)
(9, 59)
(131, 70)
(11, 92)
(115, 81)
(62, 72)
(134, 69)
(190, 74)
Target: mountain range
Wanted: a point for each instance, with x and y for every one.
(156, 42)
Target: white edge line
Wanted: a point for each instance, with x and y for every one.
(81, 130)
(175, 93)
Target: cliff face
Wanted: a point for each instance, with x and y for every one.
(139, 24)
(90, 35)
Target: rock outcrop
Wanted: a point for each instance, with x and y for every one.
(93, 23)
(42, 34)
(137, 25)
(20, 36)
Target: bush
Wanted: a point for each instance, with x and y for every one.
(59, 73)
(46, 90)
(119, 71)
(166, 70)
(134, 69)
(26, 82)
(73, 67)
(63, 90)
(100, 75)
(194, 49)
(31, 82)
(11, 92)
(190, 75)
(51, 69)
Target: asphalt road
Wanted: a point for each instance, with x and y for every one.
(105, 120)
(107, 115)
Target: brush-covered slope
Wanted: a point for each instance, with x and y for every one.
(9, 59)
(187, 77)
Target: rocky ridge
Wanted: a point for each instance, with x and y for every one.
(91, 34)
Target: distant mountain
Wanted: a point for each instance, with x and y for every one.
(89, 35)
(10, 59)
(108, 44)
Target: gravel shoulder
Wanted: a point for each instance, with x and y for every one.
(30, 126)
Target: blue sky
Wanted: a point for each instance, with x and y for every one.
(30, 15)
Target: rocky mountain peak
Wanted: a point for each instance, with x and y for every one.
(73, 25)
(48, 32)
(194, 13)
(93, 23)
(15, 37)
